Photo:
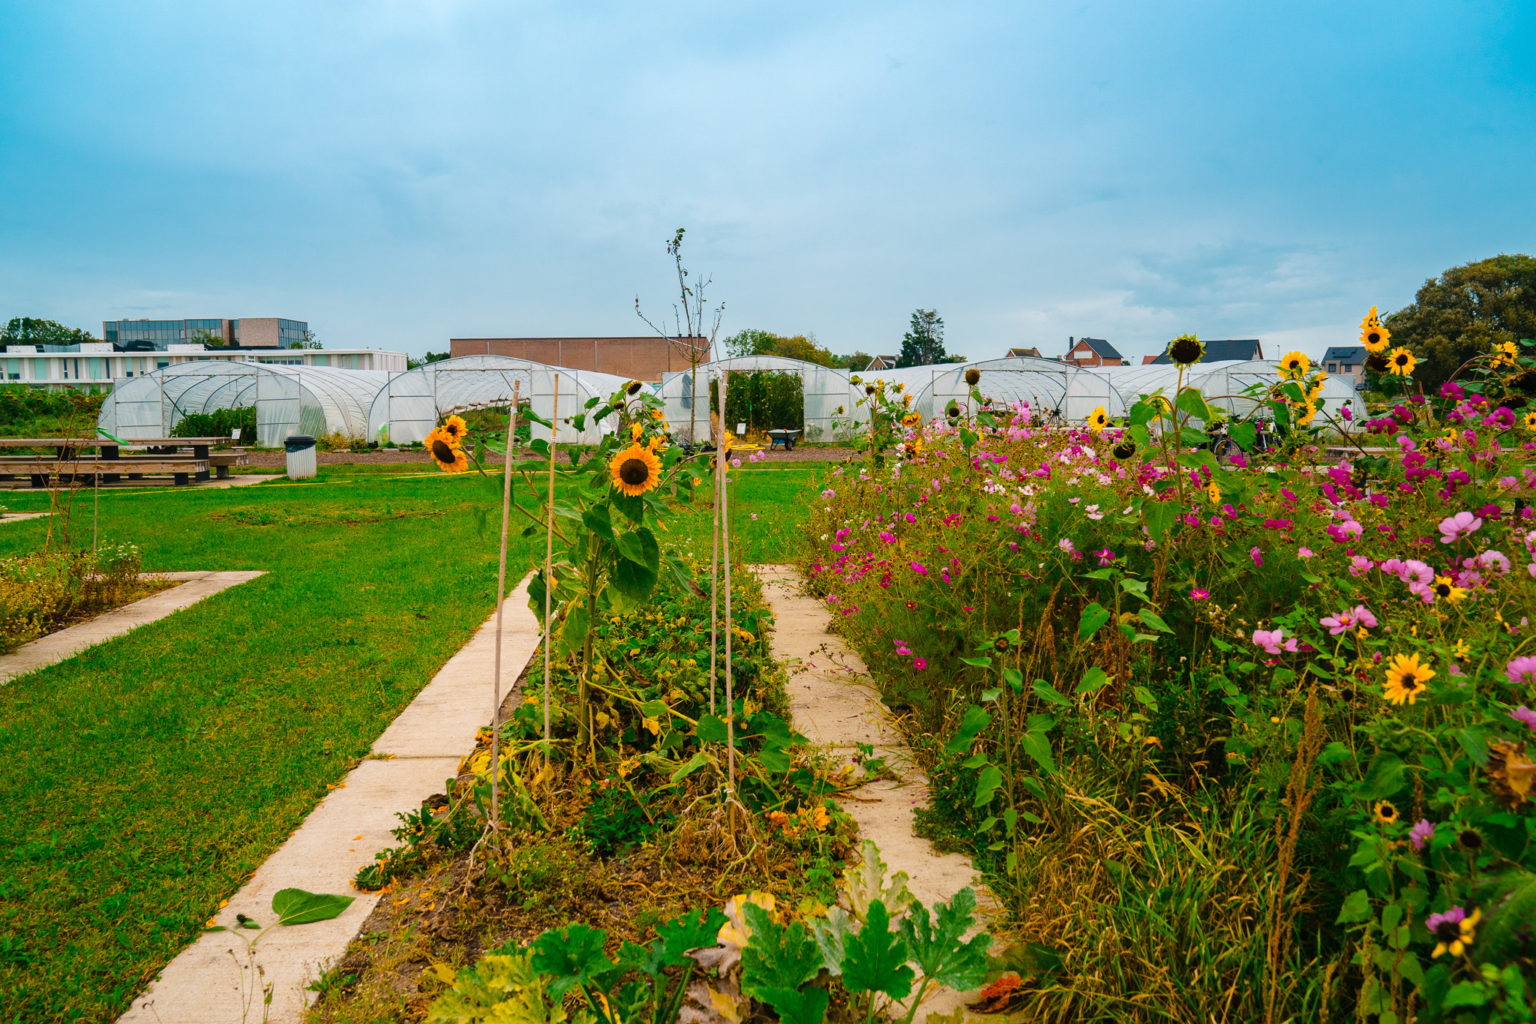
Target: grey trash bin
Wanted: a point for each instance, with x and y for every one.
(301, 456)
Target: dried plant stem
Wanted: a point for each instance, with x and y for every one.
(1299, 791)
(549, 561)
(501, 597)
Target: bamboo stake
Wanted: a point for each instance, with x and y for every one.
(549, 563)
(714, 564)
(501, 596)
(725, 562)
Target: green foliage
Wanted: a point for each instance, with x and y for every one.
(940, 948)
(616, 818)
(219, 423)
(923, 344)
(27, 411)
(1465, 312)
(26, 330)
(763, 400)
(876, 958)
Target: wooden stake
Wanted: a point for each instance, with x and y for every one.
(725, 563)
(549, 565)
(501, 596)
(714, 563)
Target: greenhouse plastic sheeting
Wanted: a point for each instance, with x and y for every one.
(1226, 384)
(1042, 383)
(316, 400)
(826, 391)
(407, 408)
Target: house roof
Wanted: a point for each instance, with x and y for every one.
(1103, 348)
(884, 363)
(1035, 352)
(1238, 349)
(1344, 354)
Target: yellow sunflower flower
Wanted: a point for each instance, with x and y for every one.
(1385, 812)
(446, 452)
(1401, 362)
(1504, 354)
(1461, 650)
(1295, 365)
(1446, 590)
(1213, 493)
(1406, 679)
(456, 428)
(1455, 936)
(635, 470)
(1530, 421)
(1374, 337)
(1371, 319)
(1098, 419)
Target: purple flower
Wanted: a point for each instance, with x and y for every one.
(1462, 524)
(1522, 671)
(920, 568)
(887, 537)
(1269, 639)
(1256, 555)
(1421, 833)
(1526, 715)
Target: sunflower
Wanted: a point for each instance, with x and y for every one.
(1504, 354)
(1401, 362)
(1385, 812)
(1185, 350)
(1371, 320)
(1124, 450)
(1374, 337)
(1453, 931)
(1406, 679)
(1510, 773)
(1213, 493)
(911, 419)
(1303, 411)
(456, 428)
(635, 470)
(446, 452)
(1530, 421)
(973, 376)
(635, 430)
(1446, 590)
(1295, 365)
(1098, 419)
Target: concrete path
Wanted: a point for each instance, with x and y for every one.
(834, 702)
(17, 517)
(66, 643)
(216, 980)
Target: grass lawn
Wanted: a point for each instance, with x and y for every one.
(146, 779)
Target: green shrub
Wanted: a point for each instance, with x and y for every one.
(219, 423)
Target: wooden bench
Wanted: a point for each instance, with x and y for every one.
(44, 471)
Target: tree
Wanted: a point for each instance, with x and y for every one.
(311, 340)
(753, 342)
(26, 330)
(207, 338)
(1466, 312)
(431, 357)
(924, 343)
(688, 324)
(857, 361)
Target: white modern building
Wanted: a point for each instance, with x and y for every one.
(99, 363)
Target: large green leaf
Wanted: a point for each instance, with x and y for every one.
(876, 959)
(1094, 616)
(632, 580)
(295, 906)
(571, 955)
(639, 546)
(940, 948)
(1383, 778)
(779, 956)
(975, 720)
(596, 519)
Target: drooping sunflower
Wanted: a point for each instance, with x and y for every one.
(1385, 811)
(911, 419)
(1374, 337)
(446, 452)
(1406, 679)
(635, 470)
(1295, 365)
(1185, 350)
(1401, 362)
(1447, 590)
(1098, 419)
(1124, 450)
(456, 428)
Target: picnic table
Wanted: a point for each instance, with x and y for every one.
(152, 456)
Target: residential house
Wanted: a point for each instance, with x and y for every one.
(1239, 349)
(1346, 360)
(881, 363)
(1024, 353)
(1092, 352)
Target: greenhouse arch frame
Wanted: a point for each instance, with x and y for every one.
(824, 392)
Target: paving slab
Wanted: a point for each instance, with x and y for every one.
(834, 702)
(19, 517)
(66, 643)
(218, 979)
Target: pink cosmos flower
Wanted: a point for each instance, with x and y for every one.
(1359, 565)
(920, 568)
(1526, 715)
(919, 663)
(1066, 545)
(887, 537)
(1304, 552)
(1521, 671)
(1269, 639)
(1257, 556)
(1421, 833)
(1199, 594)
(1454, 528)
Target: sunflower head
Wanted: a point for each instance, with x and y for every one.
(1385, 811)
(1446, 590)
(1374, 337)
(633, 387)
(1401, 362)
(635, 470)
(1371, 319)
(1530, 421)
(972, 376)
(1098, 419)
(1407, 678)
(1510, 773)
(1124, 450)
(456, 428)
(446, 451)
(1295, 365)
(869, 389)
(1185, 350)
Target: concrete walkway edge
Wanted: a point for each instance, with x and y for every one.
(217, 980)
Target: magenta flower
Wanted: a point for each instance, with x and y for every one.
(1526, 715)
(1521, 671)
(920, 568)
(1421, 833)
(919, 663)
(1199, 594)
(1269, 639)
(1454, 528)
(887, 537)
(1257, 556)
(1304, 552)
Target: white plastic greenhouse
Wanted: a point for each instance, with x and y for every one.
(1224, 386)
(1040, 382)
(412, 403)
(315, 400)
(825, 391)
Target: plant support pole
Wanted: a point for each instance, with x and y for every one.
(721, 468)
(714, 570)
(549, 561)
(501, 595)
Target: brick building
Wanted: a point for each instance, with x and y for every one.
(1092, 352)
(644, 358)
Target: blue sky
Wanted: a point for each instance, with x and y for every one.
(398, 172)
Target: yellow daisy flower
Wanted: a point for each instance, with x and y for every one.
(1406, 679)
